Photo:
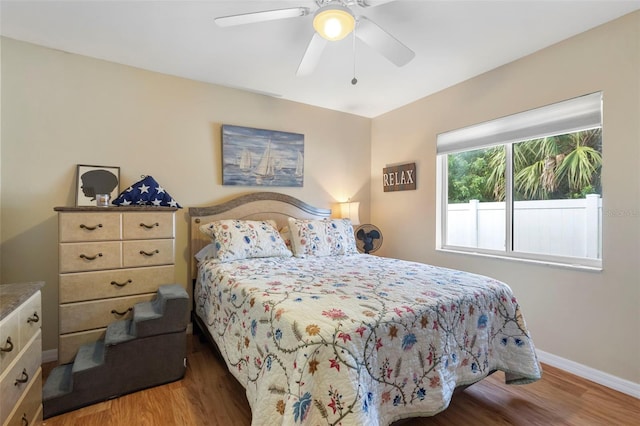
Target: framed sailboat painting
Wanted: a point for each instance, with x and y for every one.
(258, 157)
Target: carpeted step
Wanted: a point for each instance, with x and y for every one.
(59, 382)
(145, 311)
(167, 313)
(118, 332)
(89, 356)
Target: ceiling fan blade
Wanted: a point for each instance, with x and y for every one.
(312, 55)
(372, 3)
(267, 15)
(380, 40)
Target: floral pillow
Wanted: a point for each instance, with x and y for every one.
(327, 237)
(243, 239)
(207, 228)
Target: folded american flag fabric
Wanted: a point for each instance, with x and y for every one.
(146, 192)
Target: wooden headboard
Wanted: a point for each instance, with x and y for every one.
(253, 206)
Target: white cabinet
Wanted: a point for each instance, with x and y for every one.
(20, 354)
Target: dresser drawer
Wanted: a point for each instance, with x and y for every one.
(75, 257)
(147, 225)
(98, 313)
(89, 226)
(9, 339)
(148, 252)
(68, 344)
(16, 379)
(30, 318)
(28, 412)
(81, 286)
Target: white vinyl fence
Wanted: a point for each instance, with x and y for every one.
(556, 227)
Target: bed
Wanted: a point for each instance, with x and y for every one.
(337, 337)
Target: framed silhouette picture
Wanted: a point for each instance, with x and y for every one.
(92, 180)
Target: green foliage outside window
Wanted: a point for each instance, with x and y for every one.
(555, 167)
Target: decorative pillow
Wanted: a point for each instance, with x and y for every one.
(207, 228)
(243, 239)
(343, 235)
(145, 192)
(326, 237)
(207, 252)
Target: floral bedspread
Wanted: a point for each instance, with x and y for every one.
(359, 339)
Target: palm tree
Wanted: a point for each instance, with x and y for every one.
(581, 165)
(561, 166)
(497, 164)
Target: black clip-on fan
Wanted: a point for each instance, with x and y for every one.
(370, 237)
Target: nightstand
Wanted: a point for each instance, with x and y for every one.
(110, 258)
(20, 354)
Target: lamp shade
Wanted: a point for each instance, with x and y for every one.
(334, 21)
(350, 211)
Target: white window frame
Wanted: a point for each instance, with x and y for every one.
(573, 115)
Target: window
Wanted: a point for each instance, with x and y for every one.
(525, 186)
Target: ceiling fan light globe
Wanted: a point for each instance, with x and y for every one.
(332, 27)
(334, 22)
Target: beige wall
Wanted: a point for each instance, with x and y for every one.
(592, 318)
(1, 281)
(60, 110)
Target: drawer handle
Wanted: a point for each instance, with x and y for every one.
(24, 378)
(84, 256)
(90, 228)
(153, 225)
(8, 347)
(113, 311)
(121, 284)
(33, 318)
(25, 421)
(146, 253)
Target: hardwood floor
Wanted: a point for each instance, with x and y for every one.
(209, 395)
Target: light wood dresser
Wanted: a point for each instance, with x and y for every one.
(20, 354)
(110, 258)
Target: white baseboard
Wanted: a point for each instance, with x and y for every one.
(600, 377)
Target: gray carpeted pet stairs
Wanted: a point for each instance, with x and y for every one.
(148, 350)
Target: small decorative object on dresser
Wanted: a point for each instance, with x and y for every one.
(20, 354)
(109, 260)
(94, 180)
(146, 192)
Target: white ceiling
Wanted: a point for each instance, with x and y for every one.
(453, 41)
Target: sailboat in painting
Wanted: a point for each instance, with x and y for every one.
(245, 160)
(266, 166)
(299, 165)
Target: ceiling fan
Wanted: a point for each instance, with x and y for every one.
(333, 20)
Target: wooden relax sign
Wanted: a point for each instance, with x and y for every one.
(399, 178)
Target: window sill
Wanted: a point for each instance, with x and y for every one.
(552, 263)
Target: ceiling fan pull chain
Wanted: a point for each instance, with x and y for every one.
(354, 80)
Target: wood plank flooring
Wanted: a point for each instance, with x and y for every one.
(209, 395)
